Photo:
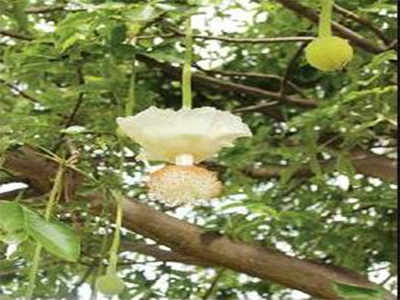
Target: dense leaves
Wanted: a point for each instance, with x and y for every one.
(65, 76)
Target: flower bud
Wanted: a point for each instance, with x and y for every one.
(110, 284)
(329, 53)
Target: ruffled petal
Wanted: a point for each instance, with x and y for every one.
(165, 133)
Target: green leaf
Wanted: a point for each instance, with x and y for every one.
(354, 292)
(143, 14)
(11, 223)
(57, 238)
(163, 56)
(118, 34)
(71, 40)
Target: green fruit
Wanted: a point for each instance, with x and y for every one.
(110, 285)
(329, 53)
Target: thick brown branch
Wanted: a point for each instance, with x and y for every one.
(341, 30)
(374, 165)
(209, 248)
(268, 264)
(28, 163)
(222, 85)
(163, 255)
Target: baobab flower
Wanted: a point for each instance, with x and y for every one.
(183, 138)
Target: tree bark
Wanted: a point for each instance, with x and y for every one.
(268, 264)
(364, 162)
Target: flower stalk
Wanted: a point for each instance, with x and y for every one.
(186, 73)
(325, 29)
(53, 198)
(112, 267)
(130, 104)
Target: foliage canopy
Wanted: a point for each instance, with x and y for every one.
(316, 180)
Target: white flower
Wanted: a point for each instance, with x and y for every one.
(185, 136)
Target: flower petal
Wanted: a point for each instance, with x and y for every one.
(164, 133)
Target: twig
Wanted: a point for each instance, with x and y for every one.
(252, 74)
(289, 69)
(44, 9)
(392, 45)
(367, 23)
(223, 85)
(20, 92)
(15, 35)
(78, 104)
(256, 107)
(85, 276)
(214, 283)
(247, 40)
(79, 101)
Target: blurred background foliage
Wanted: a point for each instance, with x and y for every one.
(77, 60)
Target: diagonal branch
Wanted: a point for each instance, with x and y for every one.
(254, 75)
(268, 264)
(364, 162)
(367, 23)
(163, 255)
(19, 91)
(223, 85)
(44, 9)
(15, 35)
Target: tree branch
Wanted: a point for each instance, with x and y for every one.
(290, 67)
(364, 162)
(44, 9)
(210, 247)
(222, 85)
(341, 30)
(254, 75)
(367, 23)
(19, 92)
(163, 255)
(15, 35)
(268, 264)
(290, 39)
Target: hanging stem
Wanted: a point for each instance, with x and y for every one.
(53, 198)
(186, 73)
(112, 267)
(130, 105)
(33, 271)
(55, 192)
(325, 19)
